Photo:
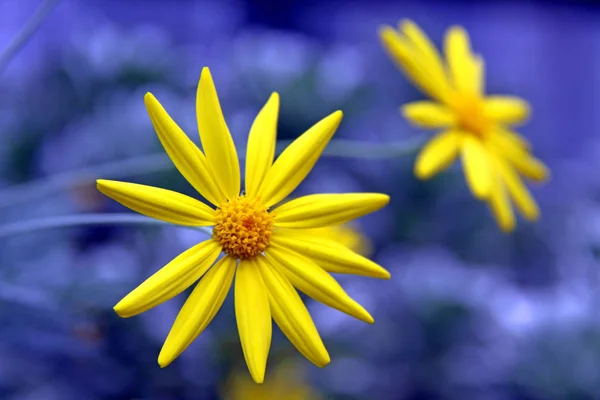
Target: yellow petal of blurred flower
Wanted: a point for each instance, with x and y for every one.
(475, 126)
(346, 235)
(288, 382)
(245, 224)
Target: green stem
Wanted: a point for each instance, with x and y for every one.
(153, 163)
(67, 221)
(26, 33)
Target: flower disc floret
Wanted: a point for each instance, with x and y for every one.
(470, 114)
(243, 227)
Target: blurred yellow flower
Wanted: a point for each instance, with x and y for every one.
(268, 249)
(348, 236)
(474, 125)
(287, 383)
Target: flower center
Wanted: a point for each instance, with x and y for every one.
(243, 227)
(471, 116)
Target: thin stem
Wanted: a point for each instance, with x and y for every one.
(68, 221)
(366, 150)
(153, 163)
(40, 188)
(26, 296)
(26, 32)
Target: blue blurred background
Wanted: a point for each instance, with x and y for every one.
(470, 313)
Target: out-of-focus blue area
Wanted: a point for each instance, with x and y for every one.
(470, 313)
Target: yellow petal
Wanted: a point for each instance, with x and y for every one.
(253, 317)
(521, 196)
(158, 203)
(186, 156)
(506, 110)
(429, 59)
(478, 75)
(199, 309)
(297, 160)
(438, 154)
(261, 145)
(427, 114)
(290, 313)
(317, 210)
(513, 138)
(404, 55)
(461, 63)
(170, 280)
(500, 206)
(346, 235)
(476, 165)
(315, 282)
(327, 253)
(507, 145)
(221, 155)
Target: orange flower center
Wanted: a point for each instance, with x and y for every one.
(471, 115)
(243, 227)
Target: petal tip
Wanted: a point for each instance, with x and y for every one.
(322, 358)
(421, 172)
(385, 199)
(420, 175)
(337, 116)
(457, 33)
(507, 227)
(405, 110)
(105, 186)
(164, 360)
(481, 191)
(385, 30)
(545, 173)
(332, 121)
(410, 112)
(533, 215)
(405, 22)
(274, 97)
(205, 76)
(121, 311)
(483, 194)
(363, 315)
(257, 373)
(325, 362)
(454, 29)
(258, 379)
(273, 102)
(149, 100)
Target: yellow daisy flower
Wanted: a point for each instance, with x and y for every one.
(267, 248)
(474, 125)
(288, 382)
